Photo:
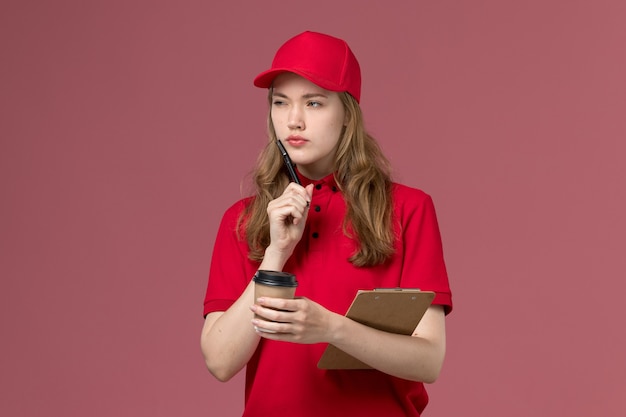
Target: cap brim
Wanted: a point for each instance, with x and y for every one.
(266, 78)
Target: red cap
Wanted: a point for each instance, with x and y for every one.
(322, 59)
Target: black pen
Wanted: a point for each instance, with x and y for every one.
(287, 160)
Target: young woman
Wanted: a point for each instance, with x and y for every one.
(347, 227)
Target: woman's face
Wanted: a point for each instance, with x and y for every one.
(309, 121)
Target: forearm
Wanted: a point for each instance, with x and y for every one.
(228, 339)
(417, 358)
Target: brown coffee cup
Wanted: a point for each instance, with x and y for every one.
(275, 284)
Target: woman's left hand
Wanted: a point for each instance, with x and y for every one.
(299, 320)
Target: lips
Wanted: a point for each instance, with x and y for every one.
(296, 140)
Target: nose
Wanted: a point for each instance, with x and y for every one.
(296, 119)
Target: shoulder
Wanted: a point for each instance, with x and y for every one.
(240, 205)
(232, 213)
(405, 196)
(411, 203)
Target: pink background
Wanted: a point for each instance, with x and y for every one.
(127, 128)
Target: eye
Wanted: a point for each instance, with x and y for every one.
(277, 102)
(314, 104)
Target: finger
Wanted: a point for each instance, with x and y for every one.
(305, 193)
(297, 199)
(289, 202)
(309, 192)
(289, 214)
(269, 327)
(296, 215)
(260, 330)
(285, 309)
(281, 304)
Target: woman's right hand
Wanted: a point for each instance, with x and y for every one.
(287, 217)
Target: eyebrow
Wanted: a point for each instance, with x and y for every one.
(305, 96)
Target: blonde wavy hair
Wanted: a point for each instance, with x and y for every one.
(362, 173)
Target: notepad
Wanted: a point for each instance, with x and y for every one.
(391, 310)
